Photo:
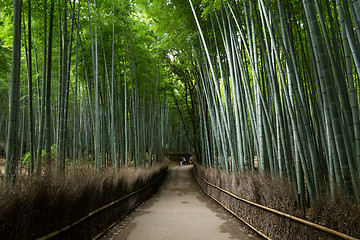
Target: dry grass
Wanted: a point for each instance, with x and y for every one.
(337, 213)
(36, 207)
(278, 194)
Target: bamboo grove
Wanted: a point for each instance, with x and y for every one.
(87, 88)
(268, 86)
(278, 90)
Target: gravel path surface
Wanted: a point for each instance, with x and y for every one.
(179, 211)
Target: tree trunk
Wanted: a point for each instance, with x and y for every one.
(12, 154)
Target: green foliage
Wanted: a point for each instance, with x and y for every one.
(5, 60)
(176, 28)
(5, 49)
(26, 157)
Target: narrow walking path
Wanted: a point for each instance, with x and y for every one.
(179, 211)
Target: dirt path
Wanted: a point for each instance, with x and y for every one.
(179, 211)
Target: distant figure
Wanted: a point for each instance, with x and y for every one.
(190, 160)
(181, 161)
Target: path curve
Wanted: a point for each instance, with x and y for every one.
(179, 211)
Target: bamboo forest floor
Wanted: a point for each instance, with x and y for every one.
(2, 166)
(179, 211)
